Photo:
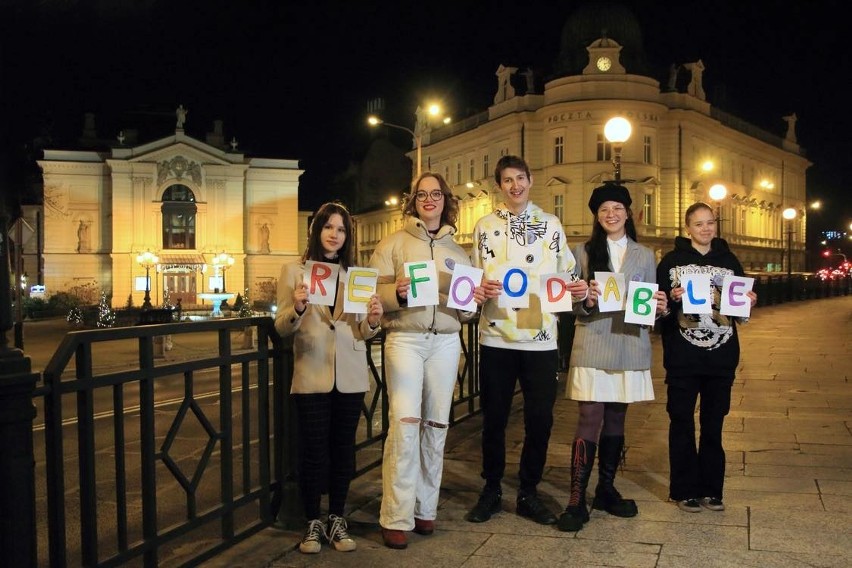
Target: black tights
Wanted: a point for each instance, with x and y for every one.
(327, 426)
(604, 418)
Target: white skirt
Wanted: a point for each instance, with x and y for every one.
(597, 385)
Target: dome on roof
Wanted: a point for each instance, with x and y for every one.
(593, 20)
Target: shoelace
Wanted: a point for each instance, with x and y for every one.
(337, 530)
(315, 531)
(580, 459)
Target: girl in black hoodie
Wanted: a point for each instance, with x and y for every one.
(700, 354)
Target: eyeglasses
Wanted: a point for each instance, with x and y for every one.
(435, 194)
(618, 209)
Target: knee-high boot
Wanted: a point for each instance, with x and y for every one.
(582, 462)
(607, 497)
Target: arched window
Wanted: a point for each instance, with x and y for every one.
(178, 217)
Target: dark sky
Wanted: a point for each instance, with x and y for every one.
(291, 78)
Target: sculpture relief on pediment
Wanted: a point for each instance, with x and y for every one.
(178, 167)
(56, 201)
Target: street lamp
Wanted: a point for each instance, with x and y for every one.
(223, 262)
(617, 130)
(717, 193)
(147, 260)
(789, 214)
(417, 137)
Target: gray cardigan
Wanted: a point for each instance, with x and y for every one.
(603, 340)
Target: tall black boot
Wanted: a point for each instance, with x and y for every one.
(582, 462)
(607, 497)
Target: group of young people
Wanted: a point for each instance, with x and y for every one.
(609, 366)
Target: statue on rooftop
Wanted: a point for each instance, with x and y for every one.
(181, 117)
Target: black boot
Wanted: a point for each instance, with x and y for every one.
(607, 497)
(582, 462)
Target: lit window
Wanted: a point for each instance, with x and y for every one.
(178, 212)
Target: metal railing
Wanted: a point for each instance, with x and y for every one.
(170, 460)
(173, 461)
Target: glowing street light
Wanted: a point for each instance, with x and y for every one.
(147, 260)
(222, 262)
(617, 131)
(417, 137)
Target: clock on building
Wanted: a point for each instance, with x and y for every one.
(604, 63)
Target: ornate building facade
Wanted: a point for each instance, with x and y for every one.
(184, 200)
(680, 146)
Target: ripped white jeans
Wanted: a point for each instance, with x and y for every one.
(421, 371)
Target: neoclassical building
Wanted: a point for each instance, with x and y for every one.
(680, 146)
(182, 199)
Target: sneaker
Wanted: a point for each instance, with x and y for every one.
(394, 539)
(338, 534)
(490, 502)
(689, 505)
(312, 541)
(531, 507)
(424, 527)
(713, 503)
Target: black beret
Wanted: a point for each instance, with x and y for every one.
(609, 192)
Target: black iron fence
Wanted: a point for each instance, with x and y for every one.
(154, 461)
(778, 289)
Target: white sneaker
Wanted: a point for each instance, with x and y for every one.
(312, 541)
(338, 534)
(689, 505)
(713, 503)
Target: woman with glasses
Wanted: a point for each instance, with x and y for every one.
(610, 359)
(422, 349)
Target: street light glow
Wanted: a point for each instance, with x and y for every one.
(718, 192)
(789, 213)
(617, 130)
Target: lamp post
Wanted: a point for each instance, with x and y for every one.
(417, 137)
(789, 214)
(223, 262)
(617, 130)
(717, 194)
(147, 260)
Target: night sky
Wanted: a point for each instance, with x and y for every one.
(291, 79)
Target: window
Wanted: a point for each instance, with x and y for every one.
(178, 211)
(604, 148)
(559, 150)
(742, 220)
(485, 173)
(472, 171)
(458, 173)
(447, 174)
(559, 207)
(646, 150)
(647, 217)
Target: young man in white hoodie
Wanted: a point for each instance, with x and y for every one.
(518, 344)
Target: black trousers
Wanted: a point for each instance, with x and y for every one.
(499, 373)
(327, 426)
(697, 472)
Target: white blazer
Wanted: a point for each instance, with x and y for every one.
(329, 348)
